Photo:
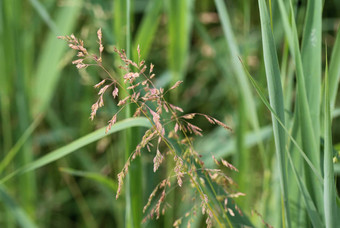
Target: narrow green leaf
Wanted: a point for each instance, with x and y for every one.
(16, 148)
(146, 31)
(276, 101)
(311, 209)
(241, 76)
(329, 197)
(105, 181)
(179, 26)
(302, 153)
(48, 70)
(334, 71)
(18, 213)
(75, 145)
(45, 16)
(311, 62)
(308, 132)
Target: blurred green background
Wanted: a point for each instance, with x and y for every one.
(45, 102)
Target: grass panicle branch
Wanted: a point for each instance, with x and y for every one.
(171, 131)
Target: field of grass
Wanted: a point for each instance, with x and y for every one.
(269, 70)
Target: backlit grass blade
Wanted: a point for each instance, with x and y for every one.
(276, 100)
(97, 177)
(147, 29)
(75, 145)
(334, 71)
(329, 197)
(48, 70)
(18, 213)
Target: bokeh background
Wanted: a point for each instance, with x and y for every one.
(45, 102)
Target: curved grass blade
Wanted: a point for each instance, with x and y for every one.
(276, 100)
(103, 180)
(22, 218)
(75, 145)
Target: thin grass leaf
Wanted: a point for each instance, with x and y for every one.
(18, 213)
(239, 71)
(310, 206)
(311, 62)
(309, 141)
(45, 16)
(75, 145)
(97, 177)
(329, 197)
(302, 153)
(16, 148)
(146, 31)
(334, 71)
(48, 70)
(133, 182)
(179, 27)
(276, 101)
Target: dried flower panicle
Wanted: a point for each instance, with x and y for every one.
(168, 122)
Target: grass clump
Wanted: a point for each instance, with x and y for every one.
(171, 136)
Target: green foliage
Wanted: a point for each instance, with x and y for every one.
(58, 169)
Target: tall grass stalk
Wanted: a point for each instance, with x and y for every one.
(133, 195)
(276, 100)
(329, 197)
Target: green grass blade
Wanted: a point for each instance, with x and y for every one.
(45, 16)
(334, 71)
(15, 149)
(75, 145)
(48, 70)
(146, 31)
(309, 144)
(302, 153)
(179, 28)
(311, 62)
(329, 185)
(239, 71)
(19, 214)
(309, 203)
(311, 209)
(133, 183)
(276, 100)
(103, 180)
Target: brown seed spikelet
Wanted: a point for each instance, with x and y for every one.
(157, 161)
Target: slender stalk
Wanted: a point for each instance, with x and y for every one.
(276, 100)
